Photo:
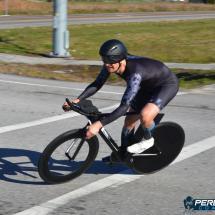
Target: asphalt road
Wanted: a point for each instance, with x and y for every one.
(26, 100)
(23, 21)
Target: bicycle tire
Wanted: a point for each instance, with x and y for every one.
(49, 168)
(169, 138)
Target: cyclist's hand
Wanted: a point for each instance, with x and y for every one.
(93, 129)
(68, 107)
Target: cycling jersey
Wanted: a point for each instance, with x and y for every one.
(154, 79)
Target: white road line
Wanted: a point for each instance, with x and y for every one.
(51, 119)
(181, 93)
(47, 120)
(42, 85)
(112, 181)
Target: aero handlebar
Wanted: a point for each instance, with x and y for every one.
(79, 109)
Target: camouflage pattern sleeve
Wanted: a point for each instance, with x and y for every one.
(133, 83)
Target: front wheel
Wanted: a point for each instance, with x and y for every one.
(67, 157)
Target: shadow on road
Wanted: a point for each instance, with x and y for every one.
(190, 76)
(20, 166)
(21, 49)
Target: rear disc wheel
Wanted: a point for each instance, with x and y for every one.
(169, 139)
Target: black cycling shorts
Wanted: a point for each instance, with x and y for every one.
(161, 96)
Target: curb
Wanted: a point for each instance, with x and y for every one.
(11, 58)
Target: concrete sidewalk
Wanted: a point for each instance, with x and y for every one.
(11, 58)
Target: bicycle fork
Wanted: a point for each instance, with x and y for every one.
(77, 150)
(75, 141)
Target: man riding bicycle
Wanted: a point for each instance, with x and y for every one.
(151, 85)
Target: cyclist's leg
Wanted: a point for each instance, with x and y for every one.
(147, 115)
(138, 103)
(159, 99)
(131, 121)
(128, 128)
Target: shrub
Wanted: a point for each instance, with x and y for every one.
(209, 1)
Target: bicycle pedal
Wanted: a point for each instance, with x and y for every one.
(106, 160)
(128, 158)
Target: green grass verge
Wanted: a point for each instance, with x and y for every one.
(185, 41)
(188, 79)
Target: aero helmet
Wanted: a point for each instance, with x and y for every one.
(113, 51)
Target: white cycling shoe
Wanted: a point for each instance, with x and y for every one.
(141, 146)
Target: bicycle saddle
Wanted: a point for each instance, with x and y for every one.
(88, 106)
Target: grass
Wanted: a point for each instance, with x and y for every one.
(185, 41)
(23, 7)
(188, 79)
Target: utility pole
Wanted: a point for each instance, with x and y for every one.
(60, 33)
(6, 8)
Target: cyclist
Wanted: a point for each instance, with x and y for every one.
(151, 85)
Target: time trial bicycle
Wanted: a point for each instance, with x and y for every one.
(69, 155)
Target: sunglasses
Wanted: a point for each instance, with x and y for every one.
(111, 59)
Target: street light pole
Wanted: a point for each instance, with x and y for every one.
(6, 8)
(60, 32)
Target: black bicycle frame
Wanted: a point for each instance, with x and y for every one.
(108, 139)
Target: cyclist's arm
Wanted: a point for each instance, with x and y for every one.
(133, 83)
(96, 85)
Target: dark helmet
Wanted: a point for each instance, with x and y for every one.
(113, 51)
